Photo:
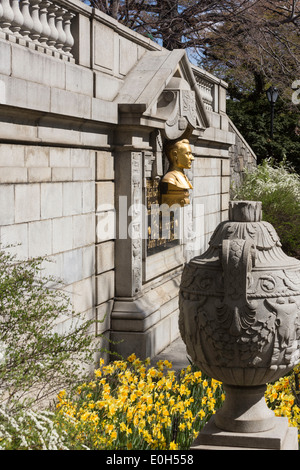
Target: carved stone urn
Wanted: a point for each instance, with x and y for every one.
(239, 315)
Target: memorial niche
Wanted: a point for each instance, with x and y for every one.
(165, 196)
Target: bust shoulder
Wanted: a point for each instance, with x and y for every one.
(177, 179)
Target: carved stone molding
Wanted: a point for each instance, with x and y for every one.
(161, 91)
(136, 226)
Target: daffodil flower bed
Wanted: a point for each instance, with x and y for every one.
(131, 405)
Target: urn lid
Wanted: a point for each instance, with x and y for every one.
(245, 211)
(245, 223)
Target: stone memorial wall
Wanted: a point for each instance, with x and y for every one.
(86, 107)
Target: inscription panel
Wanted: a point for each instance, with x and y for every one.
(163, 228)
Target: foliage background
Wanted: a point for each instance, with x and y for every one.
(277, 186)
(251, 115)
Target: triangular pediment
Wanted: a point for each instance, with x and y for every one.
(162, 87)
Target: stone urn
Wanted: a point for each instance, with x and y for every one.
(239, 315)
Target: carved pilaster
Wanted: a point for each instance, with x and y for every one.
(157, 145)
(136, 225)
(129, 205)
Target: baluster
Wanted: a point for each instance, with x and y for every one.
(6, 18)
(17, 21)
(69, 42)
(37, 25)
(2, 33)
(46, 31)
(53, 30)
(27, 23)
(59, 25)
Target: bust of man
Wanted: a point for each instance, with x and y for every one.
(174, 184)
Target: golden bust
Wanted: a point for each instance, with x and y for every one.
(174, 184)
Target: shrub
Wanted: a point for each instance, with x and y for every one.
(278, 187)
(30, 430)
(36, 360)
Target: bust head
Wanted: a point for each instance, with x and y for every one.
(179, 154)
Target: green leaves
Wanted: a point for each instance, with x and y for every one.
(278, 187)
(38, 356)
(251, 115)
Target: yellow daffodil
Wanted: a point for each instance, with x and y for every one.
(131, 358)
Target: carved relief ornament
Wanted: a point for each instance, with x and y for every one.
(240, 305)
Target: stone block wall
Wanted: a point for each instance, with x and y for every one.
(242, 157)
(105, 245)
(47, 200)
(211, 182)
(48, 204)
(81, 126)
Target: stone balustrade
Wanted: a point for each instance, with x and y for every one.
(206, 91)
(206, 84)
(41, 25)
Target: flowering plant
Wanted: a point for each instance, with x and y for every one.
(283, 397)
(130, 405)
(30, 430)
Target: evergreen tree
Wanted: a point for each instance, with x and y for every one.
(251, 115)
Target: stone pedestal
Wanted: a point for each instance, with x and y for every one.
(245, 410)
(280, 437)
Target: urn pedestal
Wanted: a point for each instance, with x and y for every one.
(239, 318)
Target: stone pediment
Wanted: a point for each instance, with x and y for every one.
(162, 89)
